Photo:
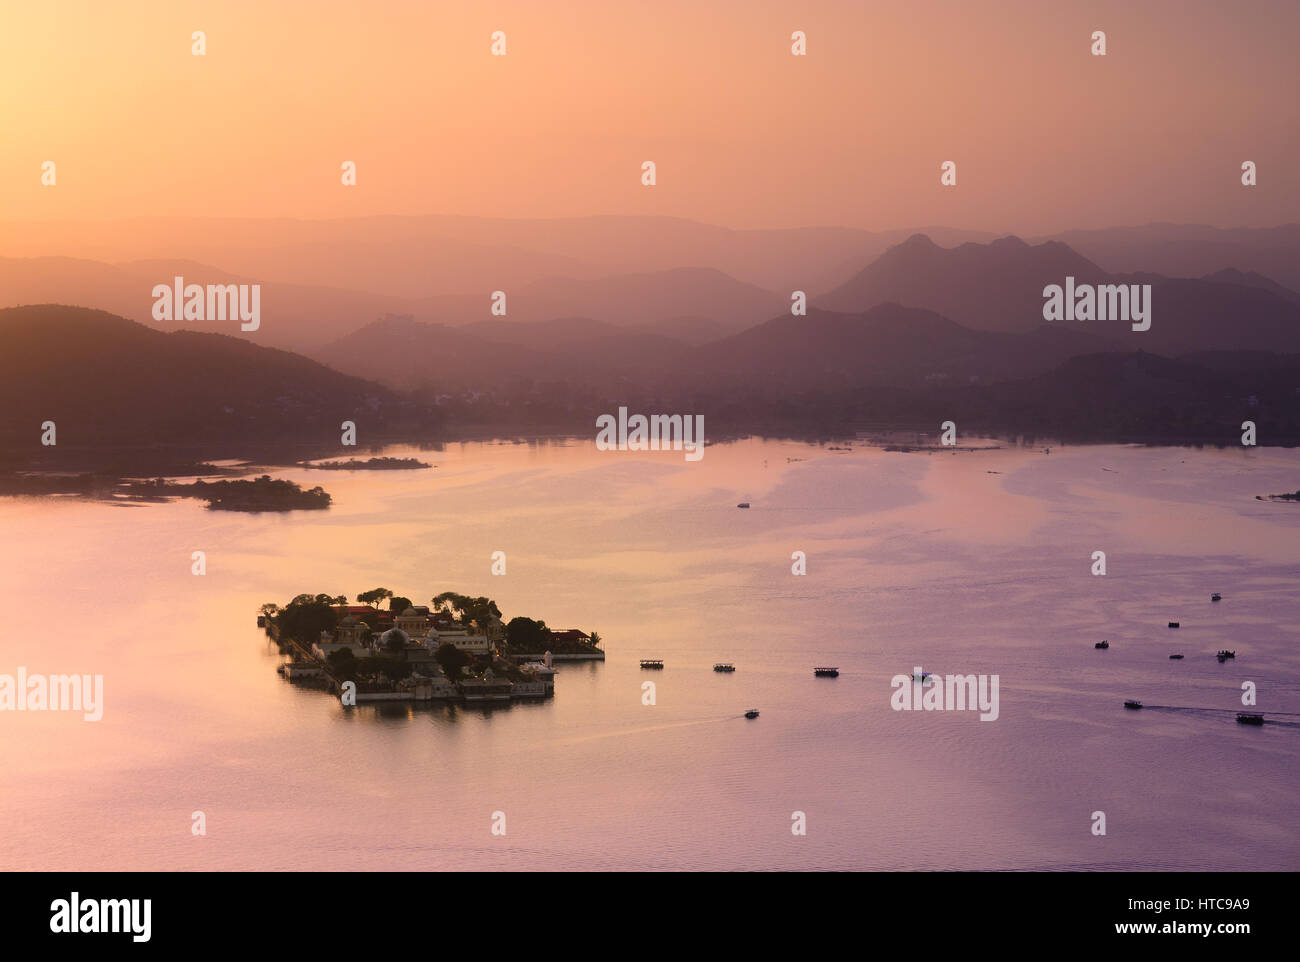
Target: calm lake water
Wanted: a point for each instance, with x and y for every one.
(959, 563)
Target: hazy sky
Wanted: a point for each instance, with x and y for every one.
(1045, 135)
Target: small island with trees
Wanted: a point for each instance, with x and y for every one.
(254, 495)
(456, 648)
(1294, 497)
(374, 464)
(258, 494)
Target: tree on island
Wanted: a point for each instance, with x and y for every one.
(525, 634)
(452, 659)
(304, 618)
(374, 596)
(343, 663)
(396, 642)
(480, 611)
(397, 604)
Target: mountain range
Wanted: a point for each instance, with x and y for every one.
(917, 322)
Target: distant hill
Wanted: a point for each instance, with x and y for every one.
(621, 299)
(419, 256)
(999, 287)
(1193, 250)
(1231, 275)
(991, 287)
(294, 317)
(887, 345)
(105, 380)
(491, 355)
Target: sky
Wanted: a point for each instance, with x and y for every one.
(1045, 135)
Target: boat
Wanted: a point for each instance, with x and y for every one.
(1175, 656)
(1173, 624)
(752, 713)
(1225, 653)
(279, 669)
(651, 663)
(1216, 597)
(724, 666)
(827, 672)
(1102, 644)
(1248, 719)
(743, 504)
(1132, 703)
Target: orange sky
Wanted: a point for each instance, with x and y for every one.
(1045, 135)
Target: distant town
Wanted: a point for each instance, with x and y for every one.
(457, 648)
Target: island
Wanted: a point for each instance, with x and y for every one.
(457, 648)
(1294, 497)
(254, 495)
(259, 494)
(374, 464)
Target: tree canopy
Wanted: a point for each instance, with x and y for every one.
(452, 659)
(374, 596)
(525, 634)
(304, 618)
(480, 611)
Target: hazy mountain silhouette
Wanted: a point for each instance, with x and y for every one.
(116, 386)
(1193, 250)
(423, 256)
(487, 355)
(624, 299)
(107, 380)
(1230, 275)
(294, 316)
(999, 287)
(992, 287)
(887, 345)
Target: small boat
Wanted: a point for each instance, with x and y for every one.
(743, 504)
(1132, 703)
(827, 672)
(1216, 597)
(1173, 624)
(1175, 656)
(752, 713)
(724, 666)
(651, 663)
(1102, 644)
(1248, 719)
(1227, 654)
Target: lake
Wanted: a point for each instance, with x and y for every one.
(955, 562)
